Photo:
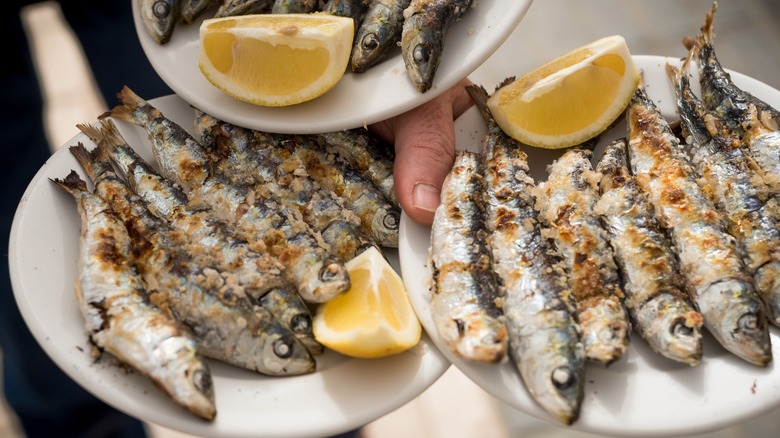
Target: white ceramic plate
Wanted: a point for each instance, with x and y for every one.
(643, 394)
(358, 99)
(342, 395)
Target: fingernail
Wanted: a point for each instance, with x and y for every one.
(426, 197)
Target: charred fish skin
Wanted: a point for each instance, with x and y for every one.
(232, 8)
(364, 152)
(544, 339)
(426, 25)
(354, 9)
(119, 318)
(464, 292)
(159, 17)
(192, 9)
(656, 296)
(294, 6)
(379, 32)
(155, 241)
(736, 186)
(318, 275)
(280, 175)
(715, 274)
(566, 203)
(757, 123)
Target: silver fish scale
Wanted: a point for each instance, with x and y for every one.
(710, 261)
(113, 301)
(656, 295)
(464, 293)
(736, 186)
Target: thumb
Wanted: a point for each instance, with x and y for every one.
(424, 140)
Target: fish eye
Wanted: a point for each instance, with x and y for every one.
(679, 329)
(748, 322)
(301, 323)
(283, 348)
(370, 41)
(390, 221)
(330, 270)
(421, 55)
(562, 378)
(161, 9)
(490, 339)
(202, 381)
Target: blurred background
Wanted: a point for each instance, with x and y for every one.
(748, 37)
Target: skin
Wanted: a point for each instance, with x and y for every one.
(424, 140)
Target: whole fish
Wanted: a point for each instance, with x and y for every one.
(317, 274)
(710, 262)
(426, 25)
(465, 298)
(735, 184)
(360, 196)
(754, 120)
(159, 17)
(192, 9)
(378, 33)
(367, 154)
(276, 173)
(566, 202)
(120, 320)
(544, 341)
(232, 8)
(153, 236)
(294, 6)
(656, 296)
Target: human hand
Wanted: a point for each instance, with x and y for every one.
(424, 140)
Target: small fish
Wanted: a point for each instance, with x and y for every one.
(152, 234)
(566, 202)
(735, 184)
(755, 121)
(656, 296)
(294, 6)
(378, 33)
(360, 196)
(159, 18)
(544, 338)
(232, 8)
(710, 262)
(464, 294)
(426, 25)
(276, 173)
(192, 9)
(318, 275)
(367, 154)
(120, 320)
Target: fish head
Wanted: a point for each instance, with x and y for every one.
(422, 56)
(186, 377)
(284, 355)
(672, 328)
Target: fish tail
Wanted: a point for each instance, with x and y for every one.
(72, 183)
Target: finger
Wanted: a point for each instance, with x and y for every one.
(425, 147)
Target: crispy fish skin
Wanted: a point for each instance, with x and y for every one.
(656, 296)
(755, 121)
(294, 6)
(232, 8)
(425, 28)
(360, 196)
(152, 234)
(710, 261)
(318, 275)
(735, 184)
(544, 338)
(276, 173)
(565, 202)
(120, 320)
(192, 9)
(464, 293)
(159, 17)
(364, 152)
(378, 33)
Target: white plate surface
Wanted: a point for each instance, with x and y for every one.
(381, 92)
(643, 394)
(343, 394)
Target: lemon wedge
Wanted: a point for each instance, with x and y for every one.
(373, 318)
(569, 99)
(275, 59)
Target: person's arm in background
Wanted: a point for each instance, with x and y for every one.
(424, 140)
